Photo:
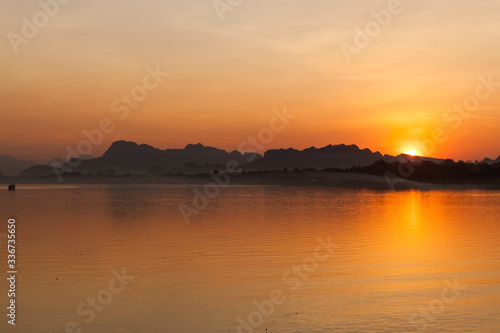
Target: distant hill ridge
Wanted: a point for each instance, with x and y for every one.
(490, 161)
(340, 156)
(126, 157)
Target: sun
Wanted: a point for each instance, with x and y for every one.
(411, 151)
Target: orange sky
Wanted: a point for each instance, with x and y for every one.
(227, 76)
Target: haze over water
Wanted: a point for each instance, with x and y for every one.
(395, 252)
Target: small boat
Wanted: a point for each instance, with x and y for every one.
(12, 187)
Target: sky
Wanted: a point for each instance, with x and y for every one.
(397, 83)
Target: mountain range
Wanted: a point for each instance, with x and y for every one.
(124, 157)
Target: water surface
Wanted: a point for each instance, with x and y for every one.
(396, 253)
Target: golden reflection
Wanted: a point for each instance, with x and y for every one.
(408, 228)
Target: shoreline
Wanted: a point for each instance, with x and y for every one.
(278, 178)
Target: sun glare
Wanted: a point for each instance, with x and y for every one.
(411, 152)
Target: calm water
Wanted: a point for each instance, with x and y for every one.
(395, 257)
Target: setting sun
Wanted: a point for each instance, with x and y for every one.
(411, 152)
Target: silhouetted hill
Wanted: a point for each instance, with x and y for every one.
(489, 161)
(124, 157)
(37, 170)
(10, 166)
(338, 156)
(60, 161)
(403, 158)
